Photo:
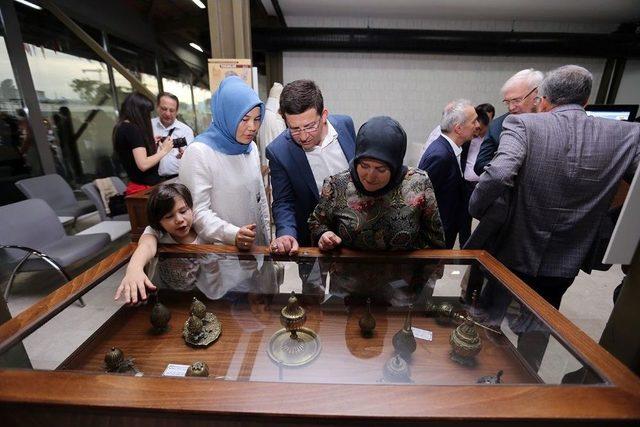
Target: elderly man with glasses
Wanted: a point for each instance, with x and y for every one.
(315, 146)
(519, 95)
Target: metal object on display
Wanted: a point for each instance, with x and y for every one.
(294, 345)
(198, 369)
(202, 328)
(396, 370)
(446, 315)
(403, 341)
(367, 322)
(465, 344)
(198, 308)
(491, 379)
(115, 361)
(160, 317)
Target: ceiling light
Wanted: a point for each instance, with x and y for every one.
(196, 47)
(26, 3)
(199, 4)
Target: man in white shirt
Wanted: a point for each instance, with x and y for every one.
(272, 123)
(315, 146)
(167, 105)
(442, 162)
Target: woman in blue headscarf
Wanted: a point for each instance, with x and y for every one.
(221, 168)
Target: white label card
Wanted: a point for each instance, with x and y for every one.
(173, 370)
(422, 334)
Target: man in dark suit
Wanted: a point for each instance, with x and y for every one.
(563, 168)
(315, 146)
(518, 95)
(443, 164)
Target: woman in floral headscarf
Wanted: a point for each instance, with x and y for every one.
(378, 204)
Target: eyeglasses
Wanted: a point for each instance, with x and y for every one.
(518, 101)
(307, 129)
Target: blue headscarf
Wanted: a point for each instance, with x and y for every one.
(231, 102)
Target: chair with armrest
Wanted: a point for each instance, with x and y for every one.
(32, 236)
(93, 194)
(54, 190)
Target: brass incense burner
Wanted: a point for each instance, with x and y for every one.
(198, 369)
(202, 328)
(465, 344)
(294, 345)
(114, 361)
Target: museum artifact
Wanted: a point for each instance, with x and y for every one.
(446, 315)
(160, 317)
(396, 370)
(465, 343)
(115, 361)
(367, 322)
(491, 379)
(198, 369)
(403, 341)
(294, 345)
(201, 328)
(198, 308)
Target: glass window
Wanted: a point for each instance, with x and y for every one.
(75, 97)
(202, 99)
(18, 155)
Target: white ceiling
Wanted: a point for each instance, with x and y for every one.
(583, 11)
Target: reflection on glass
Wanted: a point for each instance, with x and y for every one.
(75, 97)
(248, 301)
(18, 155)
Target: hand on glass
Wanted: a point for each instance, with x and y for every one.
(285, 245)
(329, 240)
(245, 237)
(133, 284)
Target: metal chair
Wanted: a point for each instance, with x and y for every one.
(54, 190)
(93, 194)
(32, 236)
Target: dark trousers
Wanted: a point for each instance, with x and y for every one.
(533, 336)
(465, 227)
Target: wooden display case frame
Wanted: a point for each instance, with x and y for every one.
(30, 397)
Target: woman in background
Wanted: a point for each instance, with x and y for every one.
(135, 146)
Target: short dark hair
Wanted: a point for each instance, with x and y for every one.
(161, 202)
(299, 96)
(483, 117)
(569, 84)
(168, 95)
(487, 108)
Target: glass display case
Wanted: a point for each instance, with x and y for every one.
(244, 338)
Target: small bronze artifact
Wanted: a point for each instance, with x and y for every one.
(447, 315)
(294, 345)
(396, 370)
(198, 309)
(198, 369)
(403, 341)
(160, 316)
(202, 328)
(367, 322)
(465, 344)
(491, 379)
(115, 361)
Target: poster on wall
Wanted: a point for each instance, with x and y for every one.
(221, 68)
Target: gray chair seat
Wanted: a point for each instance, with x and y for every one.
(82, 207)
(69, 250)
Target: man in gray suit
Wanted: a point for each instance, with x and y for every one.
(563, 168)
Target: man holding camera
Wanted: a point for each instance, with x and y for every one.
(166, 124)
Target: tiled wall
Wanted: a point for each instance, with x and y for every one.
(413, 88)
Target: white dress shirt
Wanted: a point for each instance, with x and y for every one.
(456, 150)
(327, 158)
(435, 134)
(170, 164)
(272, 125)
(472, 155)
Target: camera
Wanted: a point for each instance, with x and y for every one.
(179, 142)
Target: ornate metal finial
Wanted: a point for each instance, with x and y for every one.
(367, 322)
